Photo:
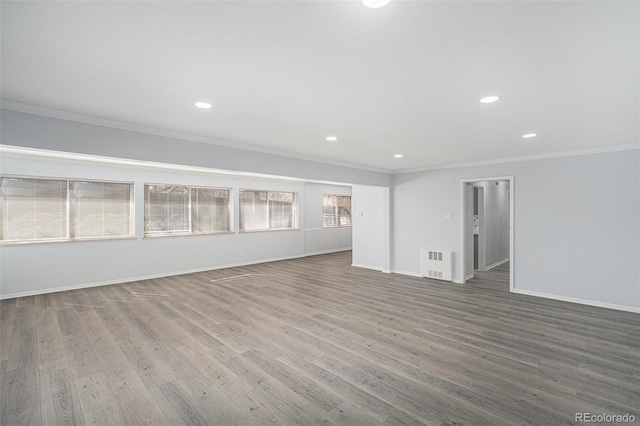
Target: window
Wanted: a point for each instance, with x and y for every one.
(180, 210)
(40, 209)
(268, 210)
(100, 209)
(336, 210)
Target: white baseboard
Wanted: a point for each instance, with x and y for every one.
(579, 301)
(357, 265)
(315, 253)
(498, 263)
(140, 278)
(468, 277)
(411, 274)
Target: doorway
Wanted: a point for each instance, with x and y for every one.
(487, 231)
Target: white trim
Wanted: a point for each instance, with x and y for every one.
(458, 281)
(411, 274)
(114, 124)
(357, 265)
(498, 263)
(579, 301)
(562, 154)
(145, 277)
(468, 277)
(337, 250)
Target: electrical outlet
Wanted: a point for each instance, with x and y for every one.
(131, 267)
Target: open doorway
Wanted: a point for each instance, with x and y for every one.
(487, 232)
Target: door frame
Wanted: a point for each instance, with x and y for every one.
(463, 225)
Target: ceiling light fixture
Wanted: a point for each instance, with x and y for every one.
(489, 99)
(203, 105)
(332, 138)
(398, 155)
(374, 4)
(529, 135)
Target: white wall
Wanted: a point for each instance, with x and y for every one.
(577, 227)
(316, 238)
(44, 266)
(371, 236)
(496, 221)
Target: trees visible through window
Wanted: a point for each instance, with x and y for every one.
(268, 210)
(336, 210)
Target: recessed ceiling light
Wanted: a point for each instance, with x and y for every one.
(398, 155)
(332, 138)
(203, 105)
(489, 99)
(529, 135)
(374, 4)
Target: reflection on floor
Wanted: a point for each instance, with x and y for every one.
(496, 278)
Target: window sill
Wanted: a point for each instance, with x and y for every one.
(251, 231)
(185, 234)
(66, 240)
(337, 227)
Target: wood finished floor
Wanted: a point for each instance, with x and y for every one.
(493, 279)
(311, 341)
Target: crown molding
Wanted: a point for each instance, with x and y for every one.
(562, 154)
(22, 152)
(122, 125)
(97, 121)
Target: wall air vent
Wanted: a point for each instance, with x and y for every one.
(437, 264)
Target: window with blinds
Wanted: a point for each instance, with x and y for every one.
(99, 209)
(40, 209)
(268, 210)
(185, 210)
(336, 210)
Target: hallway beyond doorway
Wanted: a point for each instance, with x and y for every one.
(494, 279)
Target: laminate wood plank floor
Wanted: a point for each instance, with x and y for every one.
(313, 341)
(496, 278)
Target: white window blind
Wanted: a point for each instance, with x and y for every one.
(173, 209)
(166, 209)
(41, 209)
(209, 210)
(100, 209)
(268, 210)
(34, 209)
(336, 210)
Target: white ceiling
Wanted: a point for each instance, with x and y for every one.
(282, 75)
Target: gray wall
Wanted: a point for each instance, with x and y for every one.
(33, 131)
(316, 238)
(49, 266)
(496, 221)
(370, 214)
(577, 228)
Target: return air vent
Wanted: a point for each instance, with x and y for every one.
(436, 264)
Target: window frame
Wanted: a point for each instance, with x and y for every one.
(161, 234)
(296, 212)
(67, 238)
(337, 216)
